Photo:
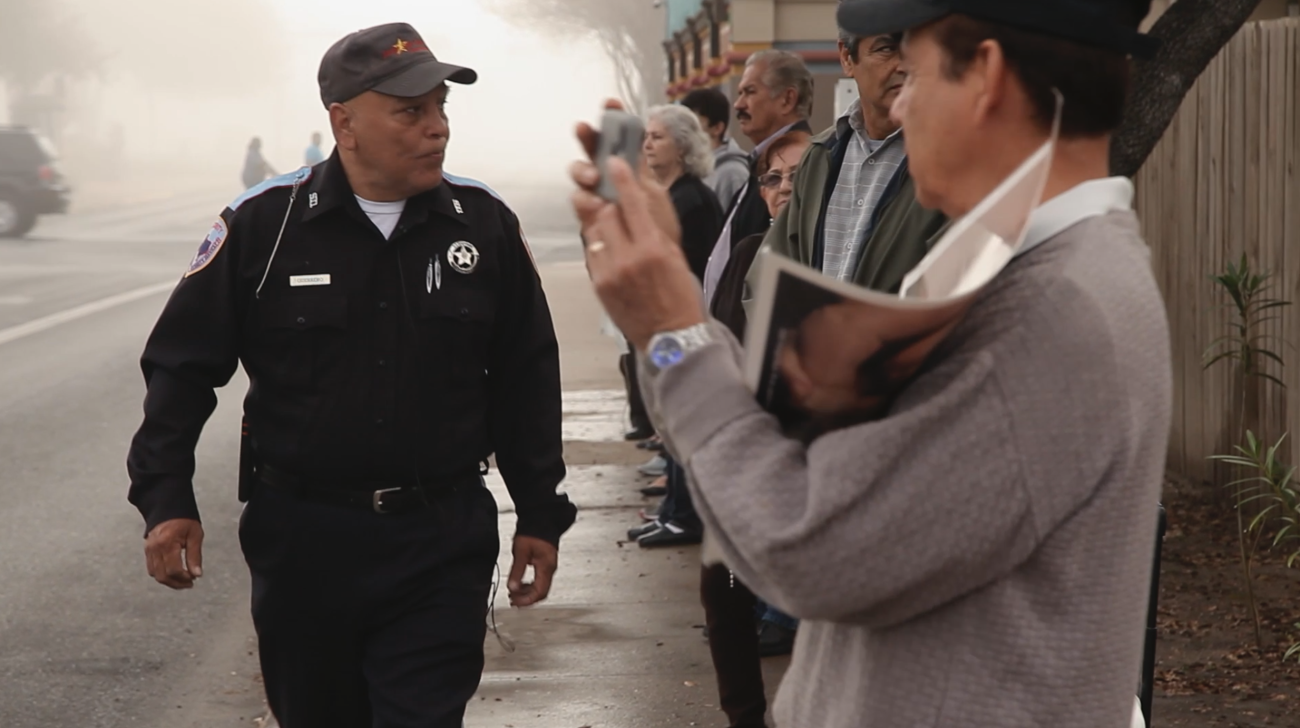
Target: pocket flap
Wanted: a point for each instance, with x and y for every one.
(468, 305)
(305, 312)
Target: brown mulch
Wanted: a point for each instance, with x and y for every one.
(1209, 671)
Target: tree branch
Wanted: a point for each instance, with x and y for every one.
(1191, 32)
(621, 27)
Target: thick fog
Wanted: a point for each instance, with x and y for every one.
(178, 87)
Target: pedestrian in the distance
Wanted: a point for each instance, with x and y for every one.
(256, 168)
(395, 336)
(313, 156)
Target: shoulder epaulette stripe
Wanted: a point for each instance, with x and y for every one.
(284, 180)
(467, 182)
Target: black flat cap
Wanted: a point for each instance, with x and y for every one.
(1101, 23)
(391, 59)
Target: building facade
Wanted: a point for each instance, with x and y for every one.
(708, 41)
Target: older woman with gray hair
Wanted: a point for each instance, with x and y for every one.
(679, 155)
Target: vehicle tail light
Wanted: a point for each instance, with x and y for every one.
(47, 173)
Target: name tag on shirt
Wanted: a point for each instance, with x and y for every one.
(322, 279)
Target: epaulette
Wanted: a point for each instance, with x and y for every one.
(467, 182)
(455, 181)
(284, 180)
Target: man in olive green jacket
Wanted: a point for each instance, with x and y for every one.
(899, 237)
(896, 232)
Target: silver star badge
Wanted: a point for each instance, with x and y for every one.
(462, 257)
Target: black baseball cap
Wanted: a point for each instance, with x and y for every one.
(1102, 23)
(391, 59)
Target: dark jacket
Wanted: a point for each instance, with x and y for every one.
(395, 361)
(701, 218)
(728, 303)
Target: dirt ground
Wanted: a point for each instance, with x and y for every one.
(1208, 670)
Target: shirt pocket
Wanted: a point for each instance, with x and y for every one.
(457, 329)
(302, 339)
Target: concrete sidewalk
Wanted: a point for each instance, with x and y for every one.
(619, 642)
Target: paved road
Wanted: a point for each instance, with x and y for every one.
(86, 638)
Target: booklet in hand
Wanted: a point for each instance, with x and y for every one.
(818, 345)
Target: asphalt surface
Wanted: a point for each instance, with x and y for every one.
(87, 639)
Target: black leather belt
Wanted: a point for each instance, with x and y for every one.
(380, 497)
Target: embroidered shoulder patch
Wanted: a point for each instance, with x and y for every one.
(210, 247)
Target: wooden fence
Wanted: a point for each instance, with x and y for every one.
(1223, 181)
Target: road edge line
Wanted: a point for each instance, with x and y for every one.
(45, 323)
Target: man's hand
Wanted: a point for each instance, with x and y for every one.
(850, 357)
(822, 366)
(544, 558)
(633, 248)
(173, 552)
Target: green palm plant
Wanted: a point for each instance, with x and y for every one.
(1271, 486)
(1248, 348)
(1245, 344)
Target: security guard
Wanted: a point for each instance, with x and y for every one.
(395, 335)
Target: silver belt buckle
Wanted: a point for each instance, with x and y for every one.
(378, 499)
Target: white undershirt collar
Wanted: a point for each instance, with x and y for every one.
(385, 215)
(1088, 199)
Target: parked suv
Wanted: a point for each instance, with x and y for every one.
(30, 181)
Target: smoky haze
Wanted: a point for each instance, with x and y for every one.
(163, 92)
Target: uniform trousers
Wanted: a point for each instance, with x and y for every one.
(367, 620)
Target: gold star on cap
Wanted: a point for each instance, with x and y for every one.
(400, 45)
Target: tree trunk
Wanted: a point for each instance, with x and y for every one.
(1191, 32)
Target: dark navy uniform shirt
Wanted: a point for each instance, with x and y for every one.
(370, 360)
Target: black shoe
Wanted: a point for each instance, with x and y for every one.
(636, 533)
(671, 534)
(774, 640)
(654, 491)
(644, 432)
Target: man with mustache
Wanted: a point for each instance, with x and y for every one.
(395, 335)
(775, 96)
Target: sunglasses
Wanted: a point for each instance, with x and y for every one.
(772, 180)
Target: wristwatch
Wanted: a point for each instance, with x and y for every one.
(670, 348)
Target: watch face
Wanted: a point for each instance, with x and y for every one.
(666, 352)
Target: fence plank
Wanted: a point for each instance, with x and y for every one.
(1225, 180)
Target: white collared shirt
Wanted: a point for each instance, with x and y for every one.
(1088, 199)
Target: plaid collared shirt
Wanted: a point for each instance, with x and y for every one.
(869, 165)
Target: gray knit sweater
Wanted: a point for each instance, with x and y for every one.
(981, 556)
